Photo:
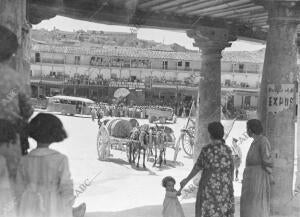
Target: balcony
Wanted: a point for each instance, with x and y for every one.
(47, 79)
(114, 64)
(86, 81)
(240, 85)
(161, 83)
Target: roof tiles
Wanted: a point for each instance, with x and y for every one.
(140, 53)
(118, 52)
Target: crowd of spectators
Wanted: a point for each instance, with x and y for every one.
(229, 83)
(181, 109)
(119, 62)
(85, 79)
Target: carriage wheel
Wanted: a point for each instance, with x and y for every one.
(102, 142)
(188, 144)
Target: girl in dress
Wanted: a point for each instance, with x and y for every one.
(171, 205)
(43, 177)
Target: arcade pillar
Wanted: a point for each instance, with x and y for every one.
(14, 69)
(14, 55)
(211, 42)
(277, 100)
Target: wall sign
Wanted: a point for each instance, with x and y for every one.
(280, 97)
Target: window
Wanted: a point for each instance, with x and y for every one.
(244, 84)
(247, 102)
(165, 64)
(113, 76)
(92, 61)
(187, 65)
(227, 83)
(53, 74)
(37, 57)
(132, 78)
(179, 64)
(241, 68)
(77, 60)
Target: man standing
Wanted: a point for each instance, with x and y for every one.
(237, 157)
(94, 114)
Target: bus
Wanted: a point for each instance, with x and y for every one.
(70, 105)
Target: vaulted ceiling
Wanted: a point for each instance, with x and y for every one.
(245, 18)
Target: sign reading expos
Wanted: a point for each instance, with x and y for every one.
(280, 97)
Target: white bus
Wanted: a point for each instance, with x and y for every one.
(70, 105)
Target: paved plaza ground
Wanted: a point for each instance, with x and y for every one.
(118, 189)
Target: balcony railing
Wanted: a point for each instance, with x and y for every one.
(112, 65)
(86, 81)
(241, 86)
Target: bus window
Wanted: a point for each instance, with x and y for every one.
(54, 100)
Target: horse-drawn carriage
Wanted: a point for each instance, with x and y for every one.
(117, 134)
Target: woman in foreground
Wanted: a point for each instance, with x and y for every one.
(257, 177)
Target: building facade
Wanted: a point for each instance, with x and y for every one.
(152, 76)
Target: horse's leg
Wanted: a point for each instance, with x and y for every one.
(148, 155)
(139, 154)
(160, 158)
(155, 156)
(164, 155)
(130, 151)
(133, 153)
(144, 156)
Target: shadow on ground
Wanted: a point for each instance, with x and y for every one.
(168, 165)
(117, 161)
(154, 211)
(145, 211)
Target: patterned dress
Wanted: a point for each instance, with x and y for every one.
(215, 194)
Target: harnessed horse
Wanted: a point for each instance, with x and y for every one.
(139, 141)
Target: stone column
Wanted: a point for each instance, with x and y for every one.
(14, 55)
(10, 39)
(211, 42)
(277, 100)
(14, 69)
(297, 148)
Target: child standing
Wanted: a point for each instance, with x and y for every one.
(43, 177)
(171, 205)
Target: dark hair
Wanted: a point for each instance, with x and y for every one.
(166, 180)
(216, 130)
(46, 128)
(255, 126)
(8, 132)
(9, 43)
